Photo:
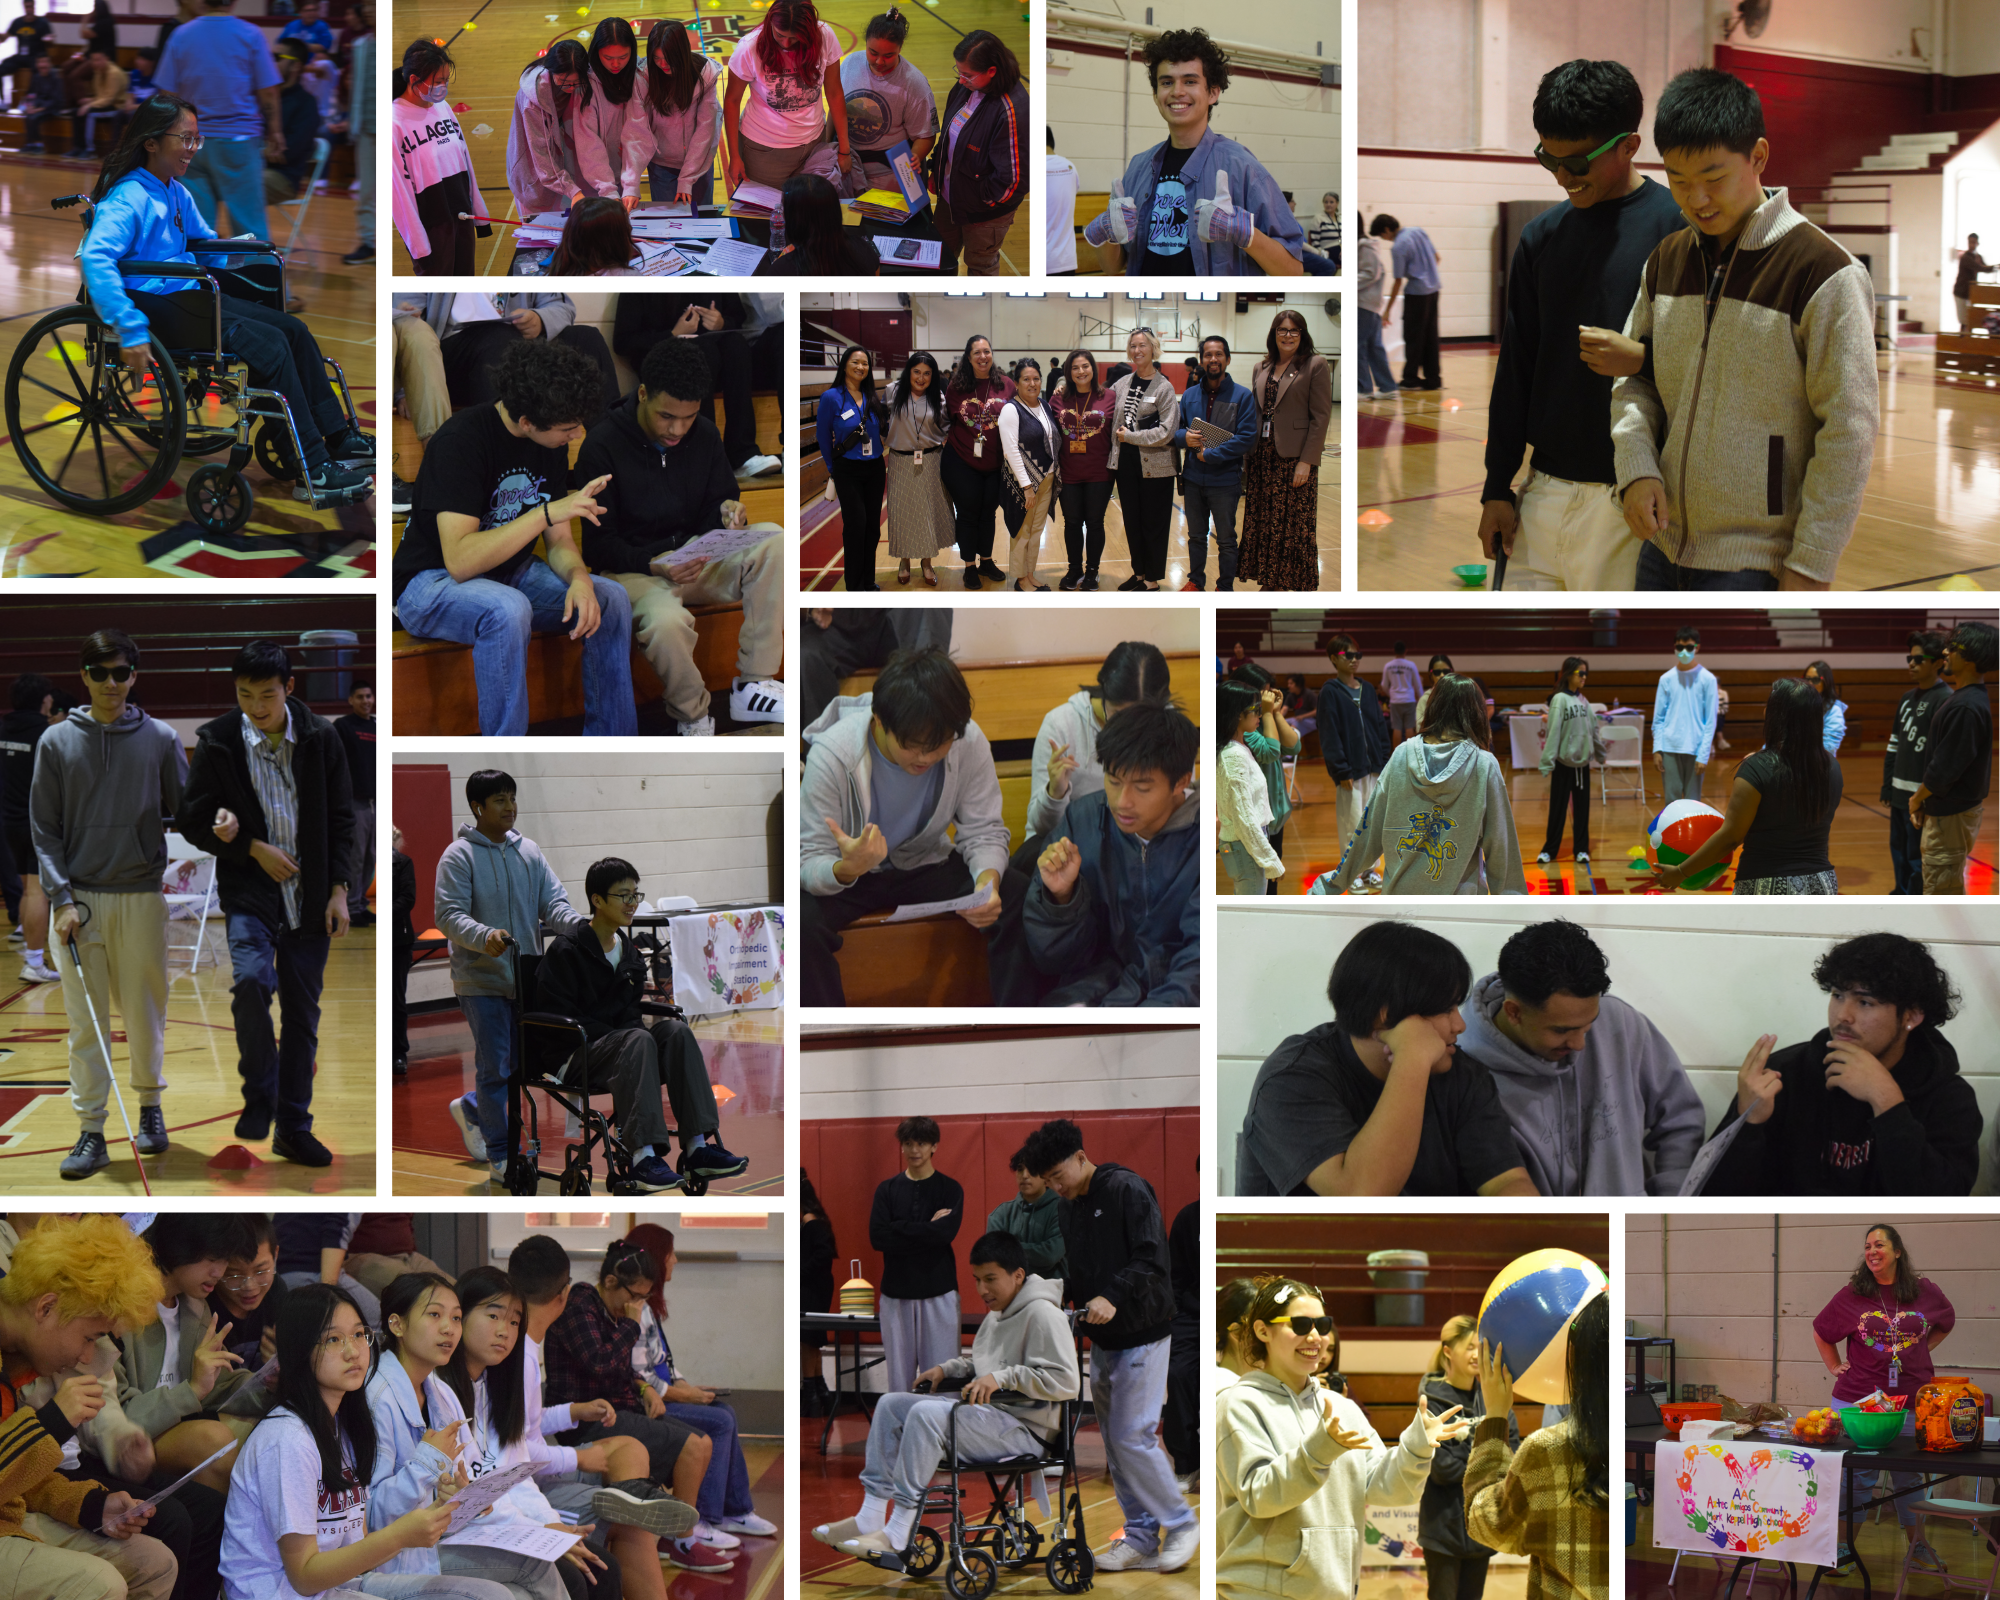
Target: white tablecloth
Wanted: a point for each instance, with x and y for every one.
(728, 960)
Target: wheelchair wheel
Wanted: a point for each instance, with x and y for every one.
(926, 1552)
(1017, 1543)
(575, 1174)
(1070, 1567)
(522, 1175)
(220, 498)
(274, 453)
(91, 437)
(976, 1581)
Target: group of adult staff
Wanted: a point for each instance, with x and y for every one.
(622, 121)
(951, 450)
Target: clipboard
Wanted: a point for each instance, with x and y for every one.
(908, 179)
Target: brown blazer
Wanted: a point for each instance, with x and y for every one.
(1304, 411)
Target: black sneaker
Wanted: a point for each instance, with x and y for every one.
(360, 257)
(402, 496)
(333, 485)
(710, 1160)
(972, 577)
(1070, 579)
(152, 1140)
(303, 1148)
(1089, 584)
(991, 573)
(87, 1156)
(352, 448)
(254, 1123)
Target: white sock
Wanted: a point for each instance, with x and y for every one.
(902, 1523)
(696, 1141)
(645, 1152)
(873, 1514)
(34, 958)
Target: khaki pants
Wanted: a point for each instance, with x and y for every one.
(65, 1563)
(1947, 841)
(1025, 549)
(663, 627)
(1349, 806)
(978, 242)
(1573, 536)
(124, 948)
(420, 369)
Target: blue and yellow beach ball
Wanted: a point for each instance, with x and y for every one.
(1527, 1312)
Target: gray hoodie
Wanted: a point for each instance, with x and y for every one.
(837, 785)
(1028, 1347)
(482, 886)
(1440, 823)
(1586, 1127)
(1293, 1501)
(1073, 723)
(96, 806)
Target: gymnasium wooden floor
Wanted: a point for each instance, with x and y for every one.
(746, 1063)
(492, 46)
(37, 1126)
(830, 1488)
(1859, 844)
(1931, 511)
(821, 562)
(285, 538)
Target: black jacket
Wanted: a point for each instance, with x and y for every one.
(1117, 1248)
(403, 888)
(1823, 1141)
(657, 499)
(1353, 739)
(643, 320)
(1961, 751)
(20, 732)
(219, 778)
(1441, 1512)
(991, 165)
(357, 742)
(1184, 1257)
(917, 1261)
(577, 981)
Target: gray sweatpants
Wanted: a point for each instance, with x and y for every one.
(1680, 777)
(907, 1435)
(1128, 1391)
(916, 1336)
(638, 1063)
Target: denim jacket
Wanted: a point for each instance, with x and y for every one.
(1251, 189)
(142, 219)
(1234, 410)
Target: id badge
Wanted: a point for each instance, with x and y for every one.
(1076, 447)
(1267, 427)
(918, 458)
(866, 451)
(978, 447)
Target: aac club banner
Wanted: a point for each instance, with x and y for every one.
(728, 960)
(1748, 1497)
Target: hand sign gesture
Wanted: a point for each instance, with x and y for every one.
(1442, 1426)
(860, 853)
(210, 1359)
(1757, 1085)
(1059, 866)
(1330, 1414)
(1061, 765)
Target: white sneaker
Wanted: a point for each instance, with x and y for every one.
(757, 700)
(1177, 1547)
(1121, 1555)
(706, 1532)
(1544, 859)
(700, 728)
(749, 1525)
(1582, 859)
(757, 466)
(468, 1127)
(39, 974)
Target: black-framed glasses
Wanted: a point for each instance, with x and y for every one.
(1305, 1325)
(1576, 166)
(632, 899)
(118, 674)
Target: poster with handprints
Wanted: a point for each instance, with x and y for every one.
(728, 960)
(1746, 1497)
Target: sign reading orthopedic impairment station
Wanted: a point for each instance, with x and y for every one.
(728, 960)
(1747, 1497)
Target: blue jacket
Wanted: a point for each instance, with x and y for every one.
(832, 426)
(141, 219)
(1131, 933)
(1235, 410)
(1251, 189)
(406, 1468)
(1353, 739)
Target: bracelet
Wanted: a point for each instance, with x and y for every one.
(547, 520)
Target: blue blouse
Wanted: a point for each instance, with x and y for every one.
(839, 415)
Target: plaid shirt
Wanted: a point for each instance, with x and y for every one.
(588, 1354)
(1523, 1503)
(277, 792)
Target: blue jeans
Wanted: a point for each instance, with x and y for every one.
(663, 183)
(725, 1488)
(497, 619)
(230, 172)
(1375, 376)
(1318, 266)
(1202, 501)
(491, 1019)
(1906, 853)
(1657, 572)
(277, 1069)
(1245, 875)
(1128, 1389)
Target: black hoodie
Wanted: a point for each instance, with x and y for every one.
(1441, 1512)
(219, 778)
(1116, 1246)
(20, 732)
(657, 499)
(1961, 751)
(577, 981)
(1824, 1141)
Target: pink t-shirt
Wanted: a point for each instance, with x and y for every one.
(1876, 1327)
(783, 113)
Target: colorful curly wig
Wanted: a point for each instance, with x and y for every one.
(95, 1266)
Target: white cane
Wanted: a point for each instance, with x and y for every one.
(104, 1049)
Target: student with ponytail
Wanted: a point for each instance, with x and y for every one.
(1065, 765)
(1454, 1562)
(889, 102)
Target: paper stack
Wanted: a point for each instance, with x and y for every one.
(754, 199)
(884, 205)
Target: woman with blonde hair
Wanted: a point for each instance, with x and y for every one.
(1454, 1562)
(1145, 411)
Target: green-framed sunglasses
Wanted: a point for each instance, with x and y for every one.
(1576, 166)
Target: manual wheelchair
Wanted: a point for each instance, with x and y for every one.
(101, 441)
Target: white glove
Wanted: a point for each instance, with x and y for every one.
(1119, 220)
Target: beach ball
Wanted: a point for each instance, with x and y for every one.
(1527, 1312)
(1680, 830)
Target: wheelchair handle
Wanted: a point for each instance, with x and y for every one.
(63, 202)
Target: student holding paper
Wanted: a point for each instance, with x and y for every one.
(611, 135)
(682, 117)
(889, 102)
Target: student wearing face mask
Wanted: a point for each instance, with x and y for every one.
(543, 172)
(433, 169)
(1684, 712)
(613, 141)
(979, 170)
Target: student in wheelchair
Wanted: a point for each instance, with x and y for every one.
(1022, 1367)
(143, 212)
(596, 974)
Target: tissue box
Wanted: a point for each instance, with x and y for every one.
(1707, 1428)
(1992, 1430)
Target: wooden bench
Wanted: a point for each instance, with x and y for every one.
(1010, 698)
(435, 694)
(940, 961)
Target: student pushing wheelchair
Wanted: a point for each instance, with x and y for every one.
(106, 396)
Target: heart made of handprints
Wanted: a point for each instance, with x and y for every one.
(1744, 1473)
(1882, 1331)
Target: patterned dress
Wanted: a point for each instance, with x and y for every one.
(1280, 523)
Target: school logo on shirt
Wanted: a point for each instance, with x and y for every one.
(1427, 835)
(1170, 217)
(868, 119)
(519, 492)
(343, 1516)
(1846, 1157)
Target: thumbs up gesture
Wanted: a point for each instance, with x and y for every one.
(1119, 221)
(859, 853)
(1218, 221)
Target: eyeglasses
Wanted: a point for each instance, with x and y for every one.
(119, 674)
(341, 1343)
(193, 141)
(632, 899)
(1305, 1325)
(1576, 166)
(253, 1280)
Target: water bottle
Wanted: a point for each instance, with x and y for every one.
(777, 230)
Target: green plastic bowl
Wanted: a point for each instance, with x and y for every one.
(1869, 1429)
(1472, 576)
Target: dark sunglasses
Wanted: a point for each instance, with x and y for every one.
(1350, 655)
(1305, 1325)
(1576, 166)
(1913, 660)
(115, 674)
